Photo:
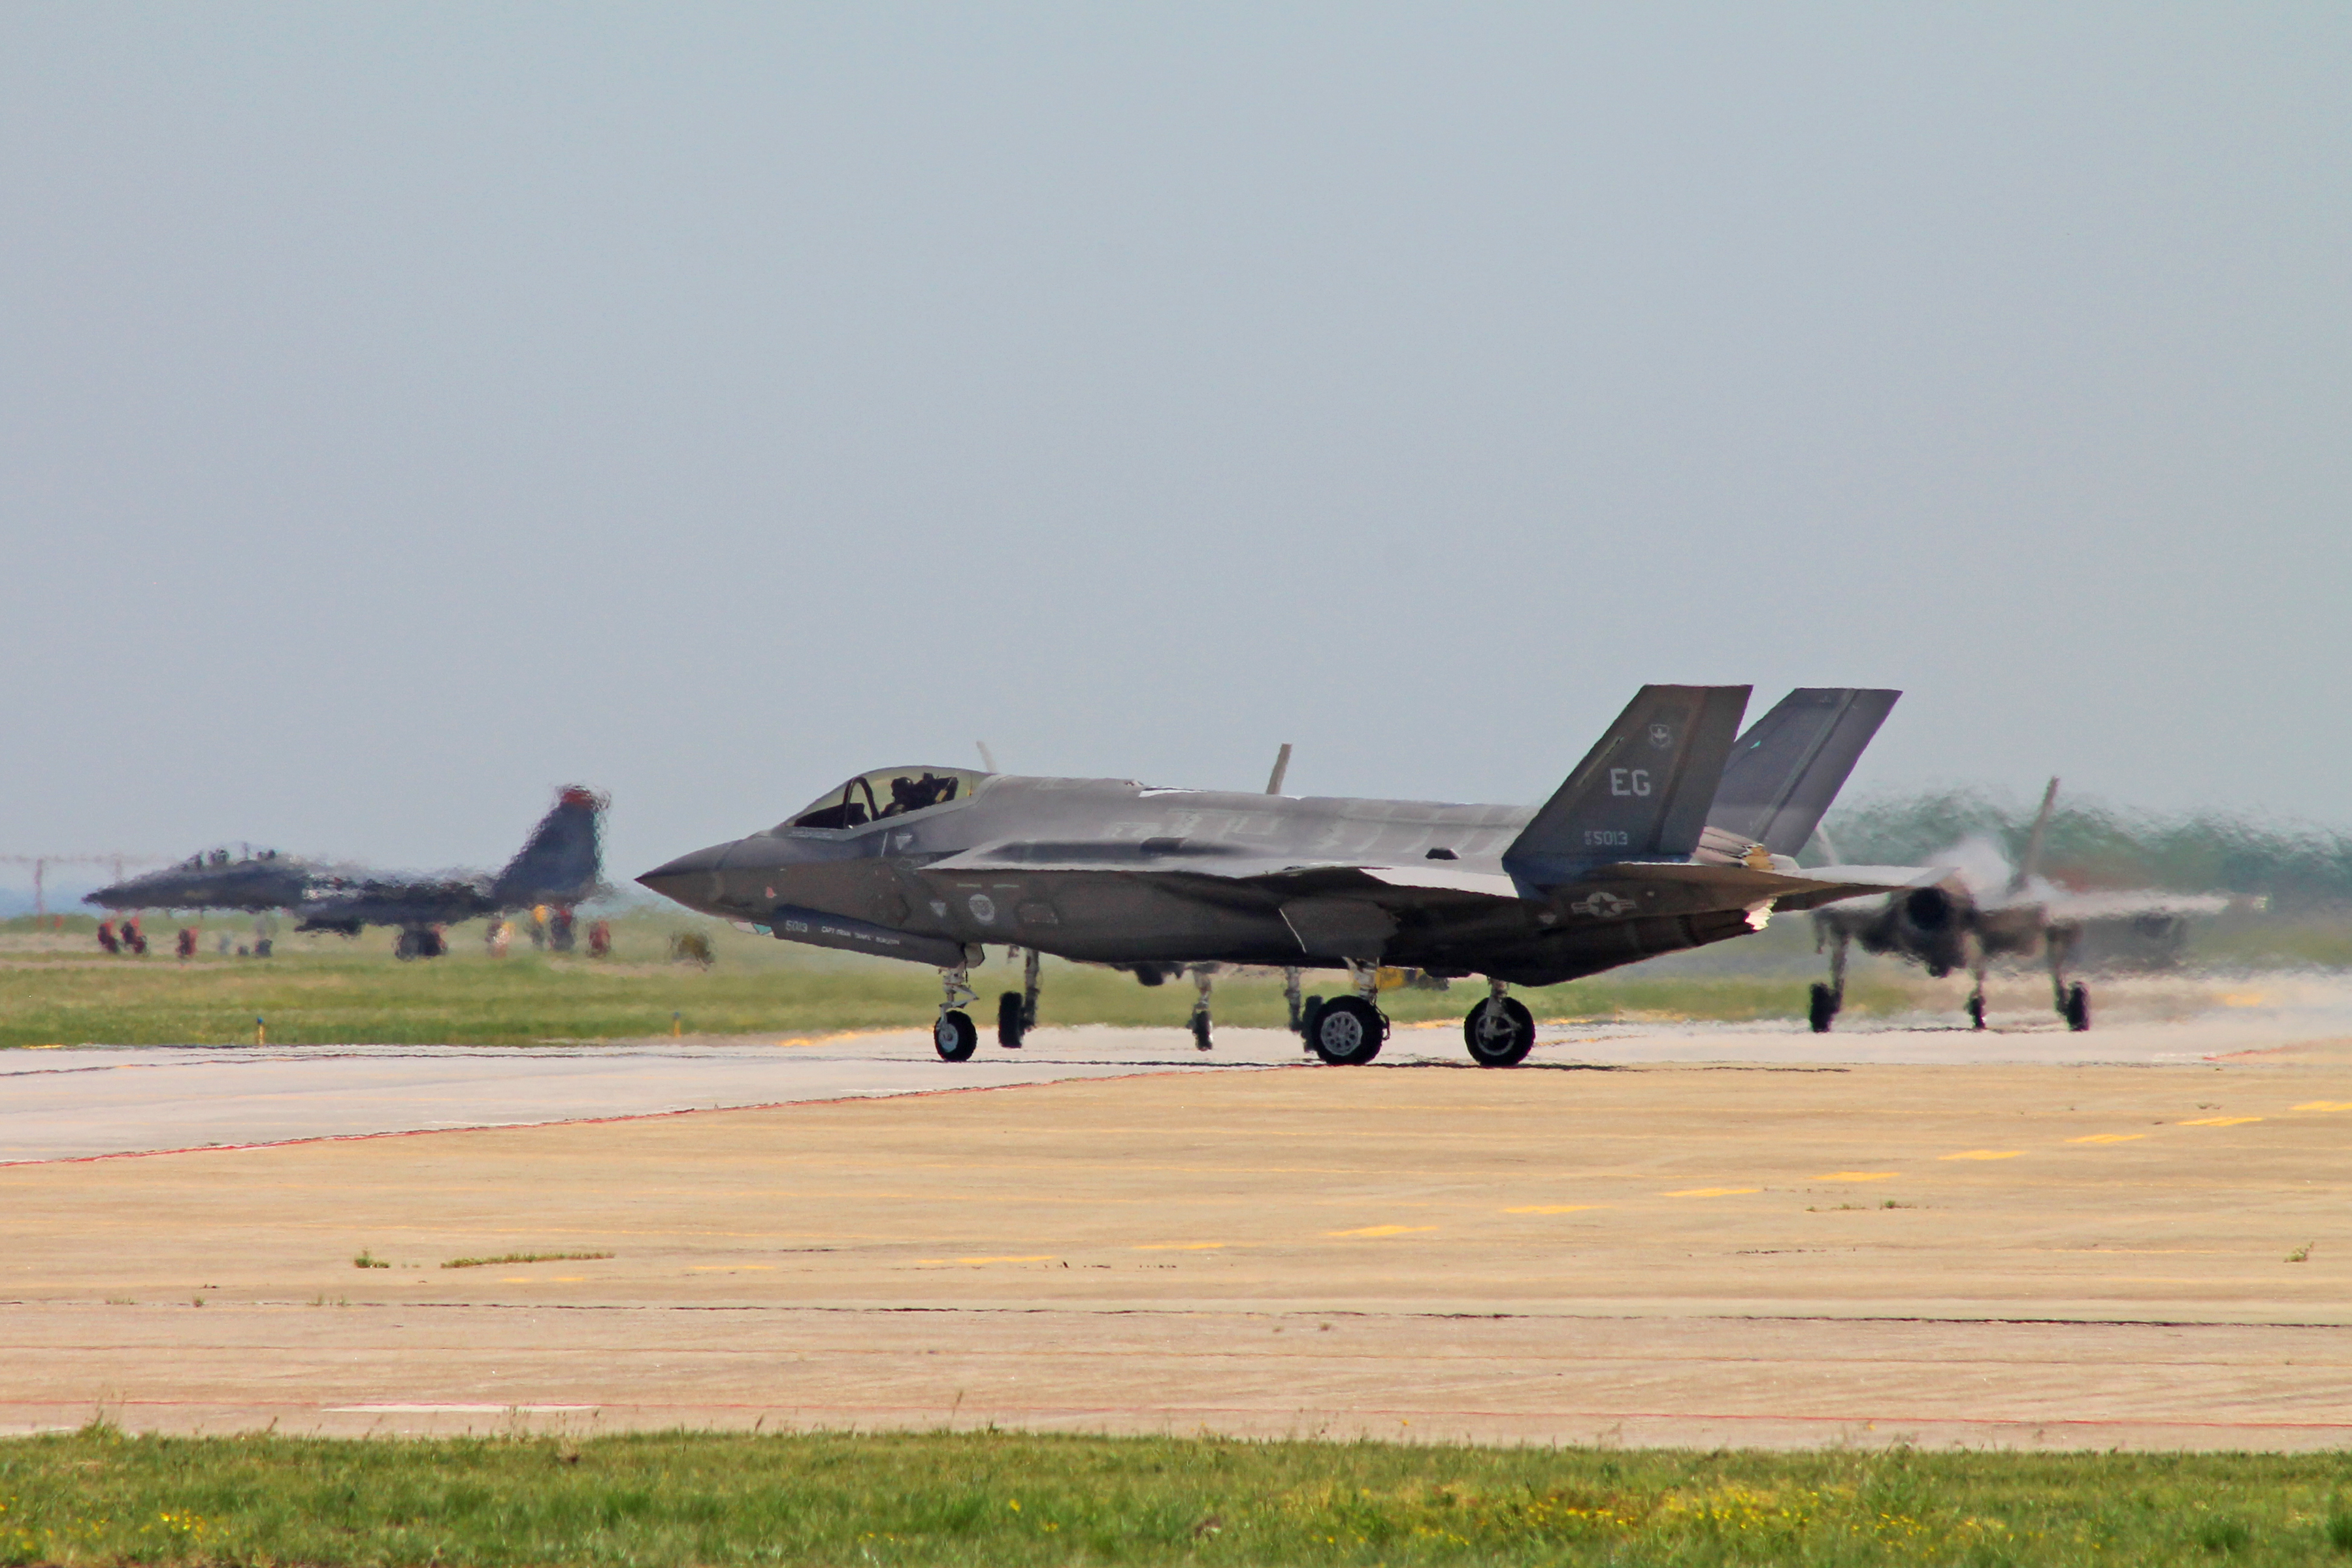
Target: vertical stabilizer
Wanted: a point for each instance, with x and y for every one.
(1643, 790)
(2031, 866)
(1789, 765)
(562, 860)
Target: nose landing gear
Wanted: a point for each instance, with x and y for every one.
(1829, 1001)
(955, 1035)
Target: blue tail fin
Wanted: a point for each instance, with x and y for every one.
(562, 862)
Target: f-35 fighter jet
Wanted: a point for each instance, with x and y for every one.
(929, 864)
(560, 864)
(1960, 918)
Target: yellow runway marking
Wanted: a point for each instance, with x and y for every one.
(1383, 1230)
(1711, 1192)
(1859, 1176)
(967, 1262)
(1552, 1208)
(2221, 1121)
(2326, 1105)
(1180, 1246)
(2107, 1138)
(1983, 1154)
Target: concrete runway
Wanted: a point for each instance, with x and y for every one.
(1693, 1236)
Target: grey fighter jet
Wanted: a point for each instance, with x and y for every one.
(1965, 917)
(929, 864)
(560, 864)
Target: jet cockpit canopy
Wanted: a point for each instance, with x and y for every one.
(887, 791)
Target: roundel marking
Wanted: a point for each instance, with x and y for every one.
(983, 908)
(1661, 736)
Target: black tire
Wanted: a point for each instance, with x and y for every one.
(2078, 1008)
(1009, 1024)
(1307, 1011)
(1347, 1031)
(1825, 1007)
(956, 1036)
(1201, 1031)
(1503, 1046)
(1975, 1012)
(430, 945)
(407, 946)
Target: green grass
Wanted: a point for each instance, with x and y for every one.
(58, 989)
(525, 1257)
(995, 1497)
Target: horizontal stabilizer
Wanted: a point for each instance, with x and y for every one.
(1643, 790)
(1789, 765)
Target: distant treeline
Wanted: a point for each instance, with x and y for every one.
(2091, 845)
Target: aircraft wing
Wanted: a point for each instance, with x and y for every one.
(2071, 907)
(1683, 882)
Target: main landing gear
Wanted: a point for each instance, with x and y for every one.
(2073, 1002)
(1199, 1024)
(1500, 1031)
(1016, 1011)
(1347, 1031)
(955, 1035)
(419, 942)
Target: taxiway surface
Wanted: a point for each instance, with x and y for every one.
(2149, 1244)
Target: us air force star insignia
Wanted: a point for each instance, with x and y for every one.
(983, 908)
(1661, 737)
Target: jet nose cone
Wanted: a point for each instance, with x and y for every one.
(691, 879)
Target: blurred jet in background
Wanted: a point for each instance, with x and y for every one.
(1981, 908)
(560, 865)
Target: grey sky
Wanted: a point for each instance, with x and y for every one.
(406, 410)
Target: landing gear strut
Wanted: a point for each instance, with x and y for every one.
(1830, 1000)
(1500, 1030)
(1016, 1011)
(1202, 975)
(955, 1035)
(2073, 1002)
(1347, 1031)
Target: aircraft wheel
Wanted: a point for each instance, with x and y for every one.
(1201, 1031)
(1975, 1012)
(1499, 1037)
(2078, 1008)
(1346, 1031)
(430, 945)
(407, 946)
(1825, 1008)
(1307, 1011)
(956, 1036)
(1009, 1023)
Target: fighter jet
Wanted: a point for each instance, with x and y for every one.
(560, 864)
(929, 864)
(1964, 917)
(252, 881)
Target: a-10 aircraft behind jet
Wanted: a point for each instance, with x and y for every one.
(1622, 863)
(1957, 920)
(560, 864)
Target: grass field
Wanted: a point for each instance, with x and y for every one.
(990, 1498)
(57, 988)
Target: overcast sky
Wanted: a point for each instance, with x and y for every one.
(406, 410)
